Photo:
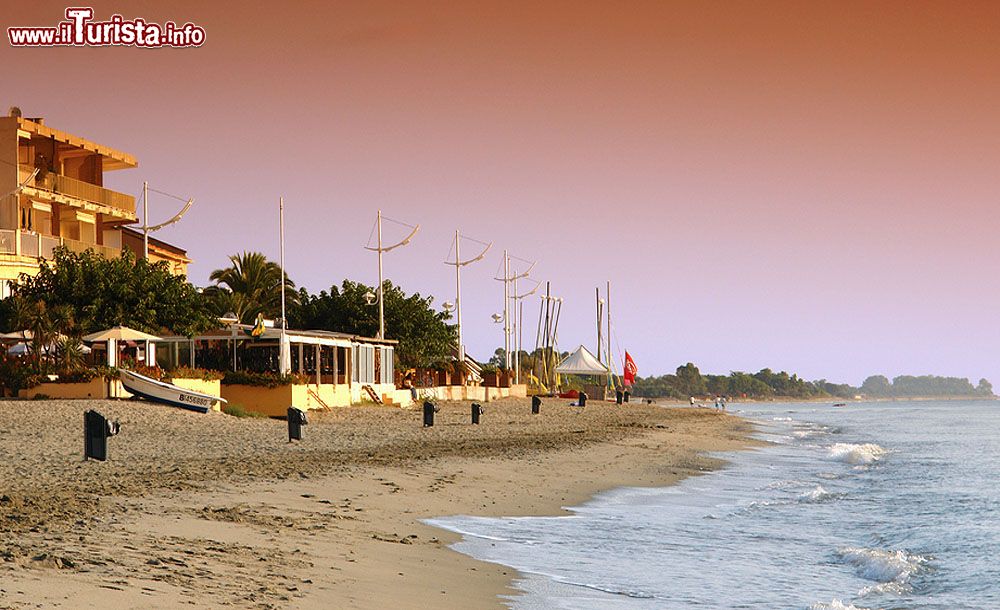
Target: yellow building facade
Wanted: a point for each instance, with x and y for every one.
(52, 194)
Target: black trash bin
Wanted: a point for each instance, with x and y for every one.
(429, 410)
(296, 419)
(536, 405)
(477, 410)
(96, 432)
(619, 396)
(582, 401)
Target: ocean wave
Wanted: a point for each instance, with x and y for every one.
(817, 494)
(884, 566)
(835, 604)
(857, 454)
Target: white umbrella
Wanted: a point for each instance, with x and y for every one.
(120, 333)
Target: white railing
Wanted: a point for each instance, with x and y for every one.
(7, 241)
(30, 244)
(35, 245)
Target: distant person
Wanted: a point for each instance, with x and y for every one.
(408, 383)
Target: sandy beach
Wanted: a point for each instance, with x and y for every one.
(211, 510)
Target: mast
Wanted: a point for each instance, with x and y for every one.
(145, 220)
(600, 321)
(380, 249)
(458, 296)
(459, 263)
(610, 358)
(283, 355)
(381, 303)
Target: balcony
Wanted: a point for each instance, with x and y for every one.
(78, 189)
(35, 245)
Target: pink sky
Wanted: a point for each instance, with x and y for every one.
(766, 184)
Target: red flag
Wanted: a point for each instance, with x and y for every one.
(630, 370)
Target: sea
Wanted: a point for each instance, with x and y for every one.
(870, 505)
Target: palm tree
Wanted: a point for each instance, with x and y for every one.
(250, 285)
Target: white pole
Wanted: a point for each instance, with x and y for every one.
(506, 310)
(381, 304)
(282, 356)
(611, 360)
(458, 298)
(517, 350)
(145, 221)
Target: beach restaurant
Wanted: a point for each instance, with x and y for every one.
(337, 369)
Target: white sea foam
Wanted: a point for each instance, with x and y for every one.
(817, 494)
(835, 604)
(857, 454)
(880, 565)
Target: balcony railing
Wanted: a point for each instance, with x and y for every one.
(71, 187)
(34, 245)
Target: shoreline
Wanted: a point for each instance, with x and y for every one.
(349, 534)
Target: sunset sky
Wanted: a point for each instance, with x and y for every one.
(796, 185)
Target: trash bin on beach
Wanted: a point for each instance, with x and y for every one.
(429, 410)
(477, 410)
(296, 419)
(582, 400)
(536, 404)
(96, 432)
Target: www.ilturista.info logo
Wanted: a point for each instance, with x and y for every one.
(80, 30)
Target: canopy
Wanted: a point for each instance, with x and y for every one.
(581, 362)
(120, 333)
(20, 349)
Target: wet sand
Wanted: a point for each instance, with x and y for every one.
(210, 510)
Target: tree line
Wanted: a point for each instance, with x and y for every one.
(82, 292)
(688, 381)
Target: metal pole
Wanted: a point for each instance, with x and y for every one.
(145, 220)
(611, 361)
(517, 351)
(381, 305)
(506, 312)
(458, 297)
(513, 313)
(597, 301)
(284, 325)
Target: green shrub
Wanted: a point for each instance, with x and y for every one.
(240, 411)
(185, 372)
(265, 380)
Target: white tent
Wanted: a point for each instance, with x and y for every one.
(581, 362)
(123, 333)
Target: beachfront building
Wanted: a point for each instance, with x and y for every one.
(159, 251)
(336, 369)
(52, 194)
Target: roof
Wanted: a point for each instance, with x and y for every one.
(113, 159)
(323, 337)
(581, 362)
(180, 253)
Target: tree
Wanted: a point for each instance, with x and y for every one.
(98, 293)
(425, 338)
(251, 285)
(876, 385)
(689, 380)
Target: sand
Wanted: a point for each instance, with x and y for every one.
(211, 510)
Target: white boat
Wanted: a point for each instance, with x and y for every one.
(168, 394)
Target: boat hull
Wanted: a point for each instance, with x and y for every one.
(165, 393)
